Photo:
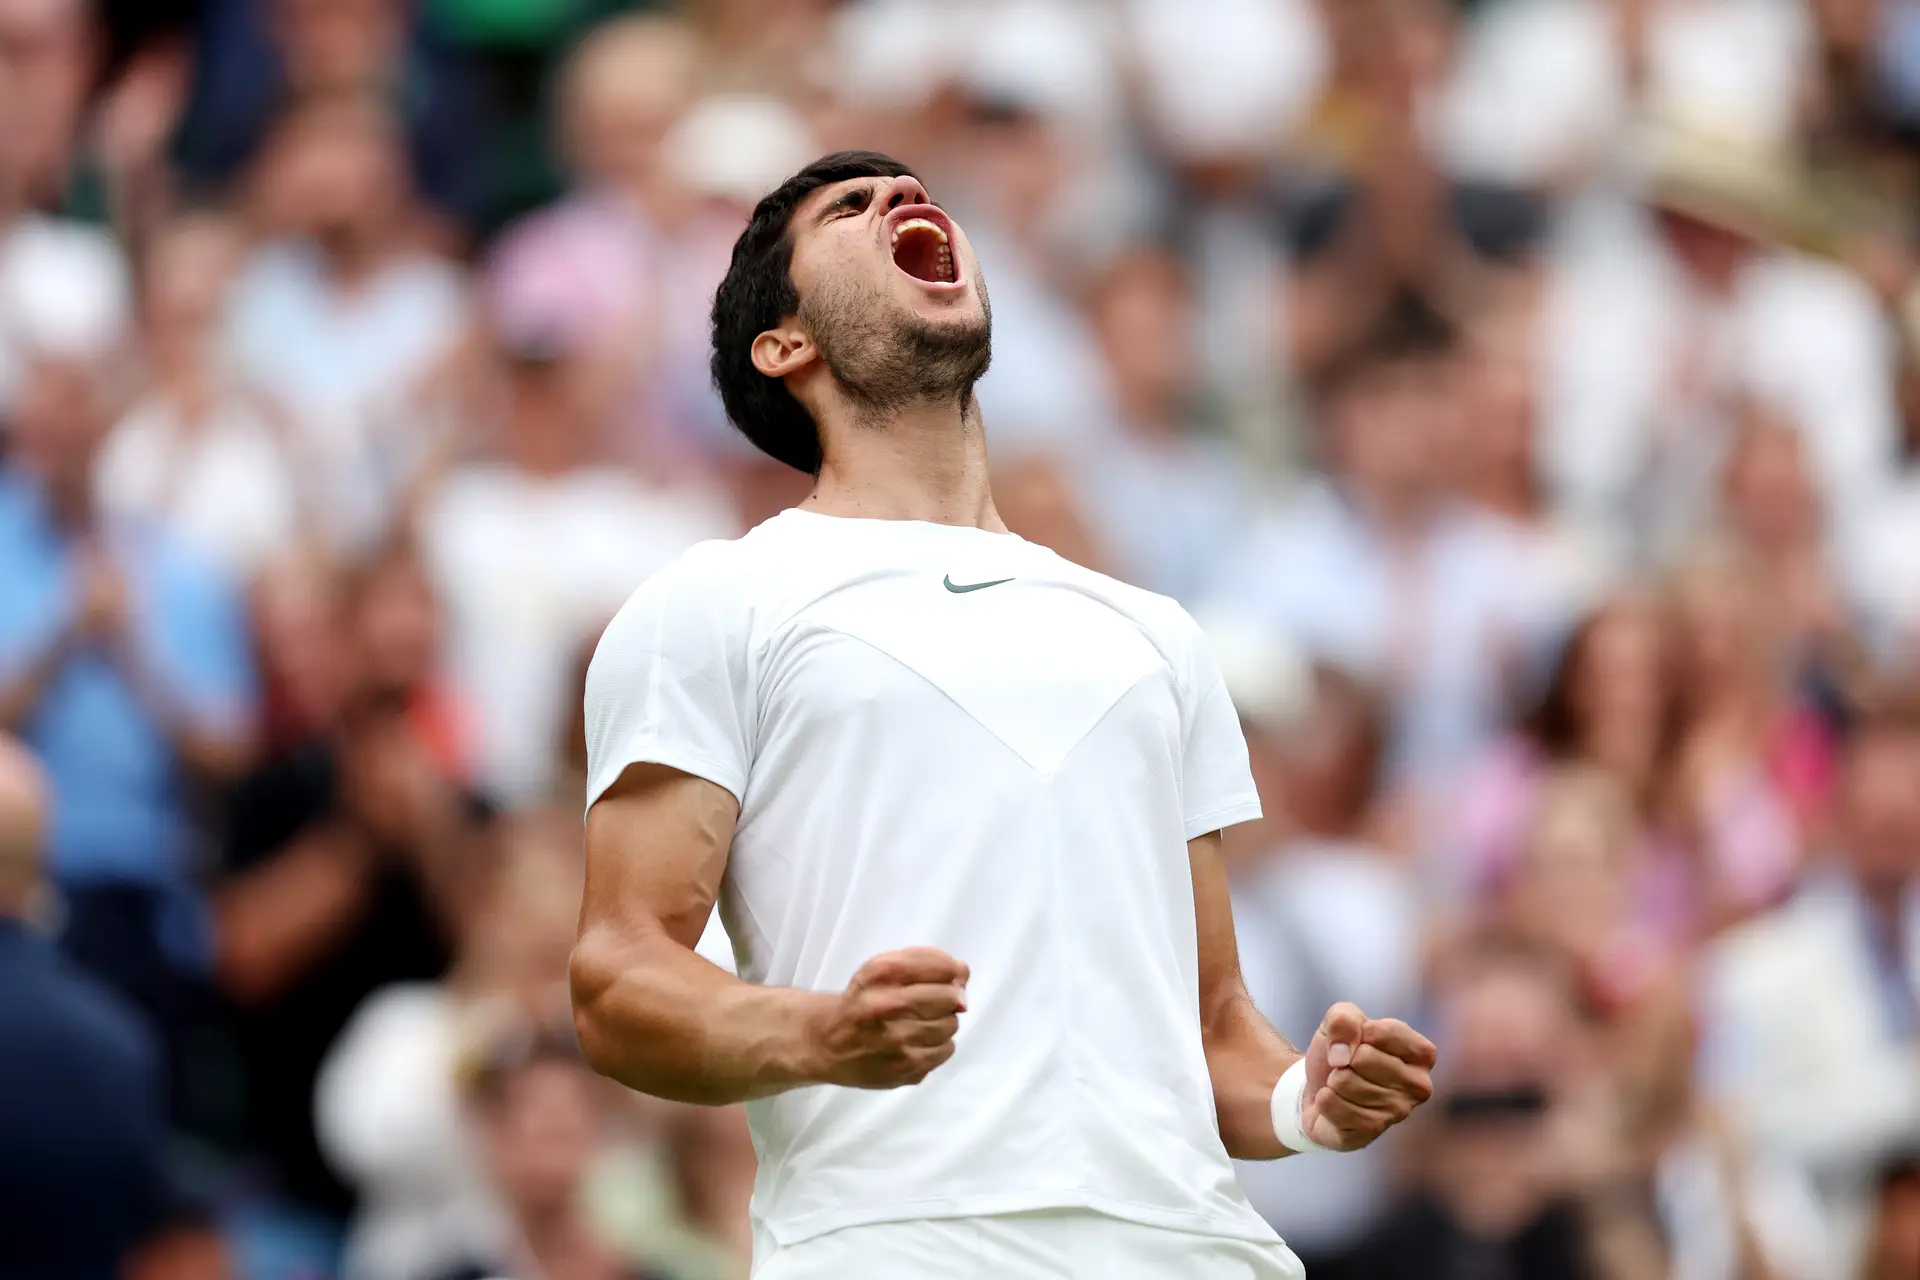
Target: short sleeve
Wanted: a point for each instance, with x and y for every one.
(669, 684)
(1216, 779)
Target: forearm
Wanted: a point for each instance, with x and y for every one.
(658, 1018)
(25, 683)
(275, 919)
(1245, 1059)
(212, 751)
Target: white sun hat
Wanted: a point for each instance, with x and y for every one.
(1237, 82)
(737, 146)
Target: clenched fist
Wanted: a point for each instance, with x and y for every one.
(1364, 1075)
(894, 1023)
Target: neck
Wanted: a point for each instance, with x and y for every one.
(922, 462)
(1508, 493)
(71, 504)
(180, 370)
(1149, 414)
(559, 1243)
(545, 456)
(1886, 900)
(352, 259)
(1398, 515)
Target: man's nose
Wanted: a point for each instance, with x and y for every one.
(905, 189)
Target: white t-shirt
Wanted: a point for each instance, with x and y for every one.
(225, 488)
(946, 737)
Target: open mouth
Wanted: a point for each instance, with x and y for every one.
(923, 249)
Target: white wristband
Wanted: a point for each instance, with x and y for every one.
(1288, 1096)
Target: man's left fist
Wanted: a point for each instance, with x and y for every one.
(1364, 1075)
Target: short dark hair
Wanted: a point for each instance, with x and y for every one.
(758, 294)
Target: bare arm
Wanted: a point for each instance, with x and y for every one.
(22, 687)
(1245, 1055)
(655, 1016)
(1363, 1074)
(211, 750)
(277, 918)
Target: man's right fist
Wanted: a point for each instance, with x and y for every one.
(894, 1023)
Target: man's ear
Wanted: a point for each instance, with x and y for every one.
(786, 348)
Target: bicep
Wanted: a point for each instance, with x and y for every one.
(657, 845)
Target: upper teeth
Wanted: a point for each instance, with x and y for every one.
(912, 223)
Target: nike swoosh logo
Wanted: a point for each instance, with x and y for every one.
(958, 589)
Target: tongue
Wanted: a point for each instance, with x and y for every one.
(918, 254)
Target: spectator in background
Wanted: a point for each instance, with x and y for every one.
(1881, 548)
(540, 540)
(603, 249)
(1496, 449)
(1380, 570)
(542, 1120)
(1610, 702)
(62, 285)
(1771, 504)
(63, 292)
(53, 53)
(196, 455)
(354, 856)
(1657, 332)
(1519, 1173)
(341, 321)
(1753, 763)
(1809, 1011)
(1577, 896)
(389, 1108)
(663, 181)
(82, 1130)
(124, 665)
(256, 57)
(1143, 313)
(387, 1101)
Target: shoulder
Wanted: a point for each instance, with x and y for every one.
(709, 591)
(1790, 945)
(1798, 295)
(1162, 619)
(79, 1010)
(717, 570)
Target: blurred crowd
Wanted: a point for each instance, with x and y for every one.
(1525, 394)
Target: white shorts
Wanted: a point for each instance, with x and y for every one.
(1054, 1244)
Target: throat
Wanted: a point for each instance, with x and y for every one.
(922, 463)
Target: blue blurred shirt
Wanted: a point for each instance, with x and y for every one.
(119, 808)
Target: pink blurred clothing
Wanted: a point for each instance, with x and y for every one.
(1752, 824)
